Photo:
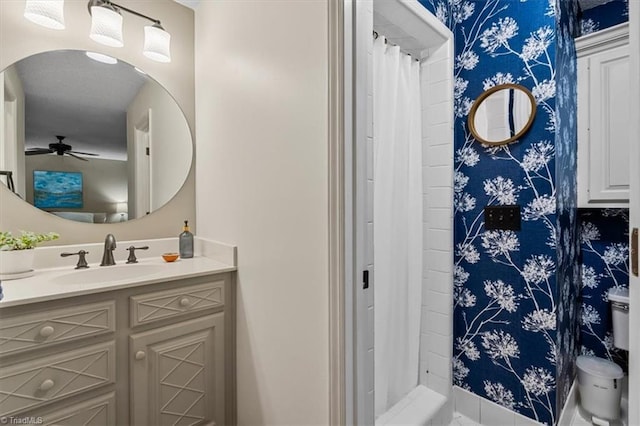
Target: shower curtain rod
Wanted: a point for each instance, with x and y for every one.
(386, 41)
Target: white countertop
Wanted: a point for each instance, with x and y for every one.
(49, 284)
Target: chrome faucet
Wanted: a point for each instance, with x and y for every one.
(109, 247)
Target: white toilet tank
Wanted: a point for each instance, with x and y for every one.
(600, 387)
(619, 300)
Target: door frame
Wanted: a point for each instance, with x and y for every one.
(339, 212)
(634, 209)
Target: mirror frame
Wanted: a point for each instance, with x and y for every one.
(487, 93)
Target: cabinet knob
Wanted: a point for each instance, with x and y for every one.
(46, 331)
(184, 302)
(46, 385)
(140, 355)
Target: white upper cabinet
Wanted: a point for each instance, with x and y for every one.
(603, 118)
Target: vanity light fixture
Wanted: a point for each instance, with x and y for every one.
(106, 28)
(48, 13)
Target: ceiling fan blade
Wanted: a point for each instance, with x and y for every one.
(75, 156)
(38, 151)
(84, 153)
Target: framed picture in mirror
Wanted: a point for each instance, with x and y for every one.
(57, 190)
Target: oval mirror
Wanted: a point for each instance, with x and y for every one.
(502, 114)
(90, 138)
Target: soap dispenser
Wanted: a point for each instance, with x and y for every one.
(186, 242)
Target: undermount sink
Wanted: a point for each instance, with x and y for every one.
(107, 274)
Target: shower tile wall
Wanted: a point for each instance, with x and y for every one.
(436, 337)
(367, 19)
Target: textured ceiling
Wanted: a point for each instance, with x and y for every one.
(71, 95)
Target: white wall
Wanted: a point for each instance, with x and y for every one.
(20, 38)
(104, 181)
(171, 149)
(262, 173)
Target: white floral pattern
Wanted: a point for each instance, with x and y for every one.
(506, 294)
(605, 250)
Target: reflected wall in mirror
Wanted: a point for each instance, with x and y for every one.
(502, 114)
(63, 111)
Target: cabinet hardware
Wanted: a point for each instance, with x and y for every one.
(46, 331)
(46, 385)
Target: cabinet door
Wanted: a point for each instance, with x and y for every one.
(609, 126)
(177, 373)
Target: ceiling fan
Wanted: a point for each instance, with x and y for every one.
(59, 148)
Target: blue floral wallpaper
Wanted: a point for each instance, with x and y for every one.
(568, 248)
(604, 261)
(510, 346)
(604, 16)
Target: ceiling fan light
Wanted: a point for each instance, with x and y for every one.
(106, 26)
(48, 13)
(157, 43)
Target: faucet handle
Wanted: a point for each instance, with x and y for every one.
(82, 261)
(132, 253)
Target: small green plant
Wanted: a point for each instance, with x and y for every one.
(26, 240)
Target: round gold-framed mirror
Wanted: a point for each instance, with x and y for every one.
(502, 114)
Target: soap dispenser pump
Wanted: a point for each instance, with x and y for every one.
(186, 242)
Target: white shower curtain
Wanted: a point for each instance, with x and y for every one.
(397, 218)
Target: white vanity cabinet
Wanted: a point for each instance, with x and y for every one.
(603, 118)
(155, 354)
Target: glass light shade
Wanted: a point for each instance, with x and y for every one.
(100, 57)
(157, 44)
(106, 26)
(48, 13)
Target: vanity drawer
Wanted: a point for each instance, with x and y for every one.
(31, 384)
(100, 411)
(149, 307)
(25, 332)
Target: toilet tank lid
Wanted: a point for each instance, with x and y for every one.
(619, 294)
(600, 367)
